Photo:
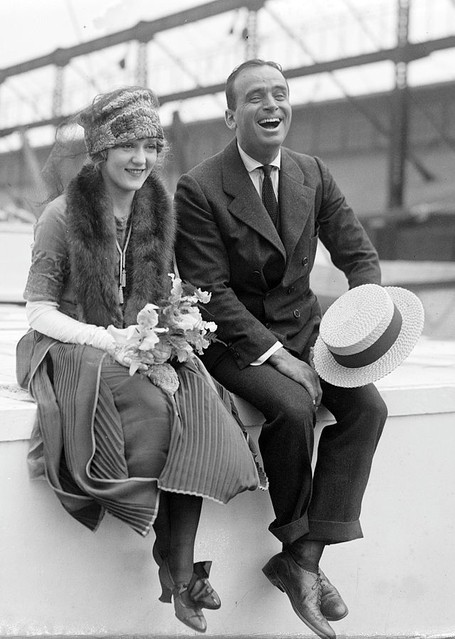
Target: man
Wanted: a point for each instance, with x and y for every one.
(258, 270)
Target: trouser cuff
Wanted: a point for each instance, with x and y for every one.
(330, 532)
(289, 533)
(334, 532)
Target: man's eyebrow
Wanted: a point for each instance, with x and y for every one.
(255, 89)
(281, 85)
(261, 89)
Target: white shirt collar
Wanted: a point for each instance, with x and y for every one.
(251, 164)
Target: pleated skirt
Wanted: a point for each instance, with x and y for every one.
(117, 448)
(189, 442)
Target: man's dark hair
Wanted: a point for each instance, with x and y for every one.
(231, 98)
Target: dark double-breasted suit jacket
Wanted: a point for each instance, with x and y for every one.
(259, 276)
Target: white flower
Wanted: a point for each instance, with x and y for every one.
(202, 296)
(177, 288)
(188, 320)
(148, 317)
(174, 331)
(149, 341)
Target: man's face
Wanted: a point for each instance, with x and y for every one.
(262, 115)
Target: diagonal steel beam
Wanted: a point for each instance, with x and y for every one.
(413, 51)
(143, 32)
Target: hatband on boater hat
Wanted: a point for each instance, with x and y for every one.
(367, 333)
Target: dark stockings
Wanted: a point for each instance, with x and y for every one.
(307, 553)
(175, 528)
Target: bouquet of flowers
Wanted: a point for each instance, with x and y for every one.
(172, 331)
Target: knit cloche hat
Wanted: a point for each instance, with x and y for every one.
(367, 333)
(120, 116)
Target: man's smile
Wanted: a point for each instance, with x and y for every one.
(269, 123)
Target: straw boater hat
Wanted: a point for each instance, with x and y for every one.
(366, 333)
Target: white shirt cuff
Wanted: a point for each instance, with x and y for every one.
(263, 358)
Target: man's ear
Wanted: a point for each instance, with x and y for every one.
(229, 118)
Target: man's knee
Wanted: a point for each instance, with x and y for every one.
(371, 417)
(288, 433)
(296, 406)
(375, 408)
(364, 403)
(292, 417)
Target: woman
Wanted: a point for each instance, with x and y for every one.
(107, 440)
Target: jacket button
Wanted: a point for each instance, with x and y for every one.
(290, 290)
(305, 261)
(296, 313)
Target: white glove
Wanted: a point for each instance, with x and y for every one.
(47, 319)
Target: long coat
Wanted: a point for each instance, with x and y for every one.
(259, 277)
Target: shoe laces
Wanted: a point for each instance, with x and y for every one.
(317, 587)
(324, 580)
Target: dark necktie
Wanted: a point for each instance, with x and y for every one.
(268, 194)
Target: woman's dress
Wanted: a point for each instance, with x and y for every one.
(108, 441)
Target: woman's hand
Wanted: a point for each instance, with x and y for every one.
(299, 371)
(121, 356)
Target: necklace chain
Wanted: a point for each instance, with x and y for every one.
(122, 264)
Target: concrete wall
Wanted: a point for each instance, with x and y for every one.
(56, 577)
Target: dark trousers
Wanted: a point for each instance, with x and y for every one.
(325, 504)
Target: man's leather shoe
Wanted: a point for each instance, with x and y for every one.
(332, 605)
(303, 589)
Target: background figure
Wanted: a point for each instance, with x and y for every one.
(108, 440)
(249, 220)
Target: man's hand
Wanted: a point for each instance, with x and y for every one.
(299, 371)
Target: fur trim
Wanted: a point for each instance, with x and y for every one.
(94, 256)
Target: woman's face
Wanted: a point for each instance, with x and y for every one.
(128, 166)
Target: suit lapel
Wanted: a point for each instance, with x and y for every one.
(246, 204)
(296, 208)
(296, 202)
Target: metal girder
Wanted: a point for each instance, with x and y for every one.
(57, 97)
(142, 64)
(399, 114)
(251, 35)
(142, 31)
(412, 51)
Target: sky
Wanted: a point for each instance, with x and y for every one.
(293, 32)
(30, 28)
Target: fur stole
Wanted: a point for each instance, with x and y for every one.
(94, 256)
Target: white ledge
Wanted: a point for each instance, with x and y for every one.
(17, 408)
(423, 385)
